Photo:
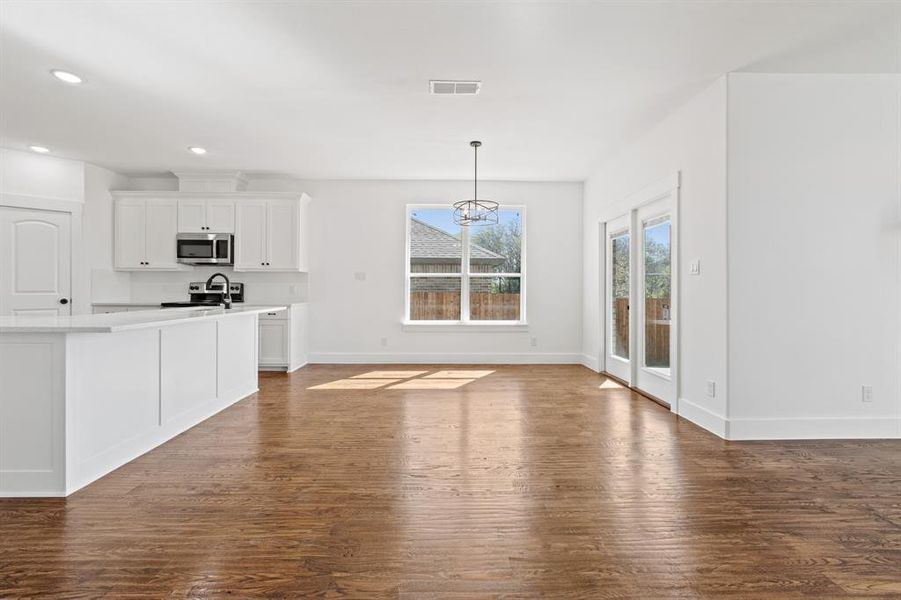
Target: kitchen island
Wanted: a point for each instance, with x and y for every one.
(80, 396)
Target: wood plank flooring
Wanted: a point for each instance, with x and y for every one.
(525, 482)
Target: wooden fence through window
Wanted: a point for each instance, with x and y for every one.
(657, 333)
(445, 306)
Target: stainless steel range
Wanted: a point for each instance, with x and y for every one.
(202, 293)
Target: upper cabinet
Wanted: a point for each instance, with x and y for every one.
(145, 230)
(199, 215)
(270, 228)
(270, 234)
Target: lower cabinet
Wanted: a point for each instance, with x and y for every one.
(282, 339)
(274, 339)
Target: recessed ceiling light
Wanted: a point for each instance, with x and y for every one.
(197, 149)
(66, 76)
(40, 149)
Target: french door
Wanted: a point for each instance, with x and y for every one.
(619, 281)
(640, 304)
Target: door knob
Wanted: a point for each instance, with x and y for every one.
(63, 300)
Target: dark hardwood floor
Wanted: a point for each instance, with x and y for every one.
(526, 482)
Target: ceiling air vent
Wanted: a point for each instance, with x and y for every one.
(454, 88)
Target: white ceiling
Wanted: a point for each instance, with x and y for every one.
(340, 89)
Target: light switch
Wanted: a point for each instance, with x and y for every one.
(360, 276)
(694, 267)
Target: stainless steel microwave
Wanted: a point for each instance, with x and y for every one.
(205, 248)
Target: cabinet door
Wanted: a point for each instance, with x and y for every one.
(192, 216)
(284, 245)
(250, 235)
(220, 216)
(162, 226)
(131, 233)
(273, 343)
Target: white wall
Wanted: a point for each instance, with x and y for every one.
(692, 141)
(814, 255)
(42, 176)
(359, 226)
(105, 284)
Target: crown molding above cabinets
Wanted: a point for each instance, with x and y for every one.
(211, 181)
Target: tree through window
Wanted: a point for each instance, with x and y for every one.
(464, 273)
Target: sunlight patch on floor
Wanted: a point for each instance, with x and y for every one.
(354, 384)
(431, 384)
(458, 374)
(610, 385)
(389, 374)
(450, 379)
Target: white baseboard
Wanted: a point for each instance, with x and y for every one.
(590, 362)
(829, 428)
(702, 417)
(462, 358)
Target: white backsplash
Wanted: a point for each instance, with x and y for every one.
(260, 288)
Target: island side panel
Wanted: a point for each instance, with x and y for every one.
(32, 415)
(113, 401)
(238, 370)
(188, 355)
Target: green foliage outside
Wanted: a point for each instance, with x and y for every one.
(657, 268)
(504, 239)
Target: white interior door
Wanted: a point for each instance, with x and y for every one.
(654, 356)
(618, 273)
(35, 262)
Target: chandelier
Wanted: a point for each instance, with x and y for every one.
(475, 211)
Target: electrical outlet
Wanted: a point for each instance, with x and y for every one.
(384, 341)
(866, 393)
(694, 267)
(711, 388)
(534, 342)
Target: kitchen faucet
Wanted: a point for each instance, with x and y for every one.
(227, 296)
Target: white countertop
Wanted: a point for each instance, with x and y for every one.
(156, 304)
(124, 321)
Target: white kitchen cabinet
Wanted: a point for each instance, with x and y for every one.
(274, 336)
(145, 230)
(200, 215)
(283, 338)
(250, 235)
(131, 233)
(220, 216)
(270, 234)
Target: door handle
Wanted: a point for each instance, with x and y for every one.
(63, 300)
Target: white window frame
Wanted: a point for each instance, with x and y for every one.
(465, 322)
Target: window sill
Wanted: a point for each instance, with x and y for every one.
(458, 326)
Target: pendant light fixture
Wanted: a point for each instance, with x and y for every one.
(475, 211)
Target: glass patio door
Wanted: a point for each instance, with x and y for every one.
(619, 298)
(653, 288)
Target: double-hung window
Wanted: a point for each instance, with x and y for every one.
(473, 274)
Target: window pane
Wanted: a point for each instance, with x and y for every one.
(619, 311)
(497, 248)
(435, 241)
(494, 298)
(435, 298)
(657, 284)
